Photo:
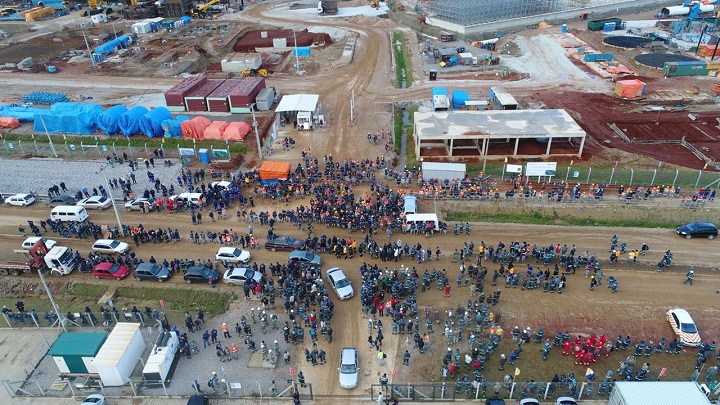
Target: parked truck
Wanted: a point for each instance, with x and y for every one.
(59, 260)
(440, 100)
(304, 121)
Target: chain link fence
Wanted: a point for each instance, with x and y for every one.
(91, 150)
(620, 176)
(467, 390)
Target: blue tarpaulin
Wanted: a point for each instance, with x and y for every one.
(21, 113)
(108, 121)
(301, 51)
(110, 46)
(172, 128)
(129, 121)
(151, 122)
(459, 97)
(68, 118)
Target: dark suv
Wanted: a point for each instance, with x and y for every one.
(198, 274)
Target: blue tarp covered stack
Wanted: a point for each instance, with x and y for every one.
(129, 121)
(151, 122)
(459, 97)
(172, 128)
(110, 46)
(108, 121)
(68, 118)
(21, 113)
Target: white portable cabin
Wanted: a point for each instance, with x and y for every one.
(142, 27)
(657, 393)
(443, 171)
(163, 355)
(265, 99)
(409, 204)
(118, 356)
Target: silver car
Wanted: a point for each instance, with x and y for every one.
(340, 283)
(349, 369)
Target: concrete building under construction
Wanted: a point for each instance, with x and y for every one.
(475, 16)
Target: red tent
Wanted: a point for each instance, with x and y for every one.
(236, 131)
(195, 128)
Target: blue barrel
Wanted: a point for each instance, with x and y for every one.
(609, 26)
(204, 155)
(563, 28)
(52, 69)
(185, 19)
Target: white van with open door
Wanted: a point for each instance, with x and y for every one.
(69, 213)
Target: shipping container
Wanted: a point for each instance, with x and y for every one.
(73, 352)
(175, 97)
(195, 100)
(685, 68)
(117, 358)
(243, 95)
(265, 99)
(599, 25)
(142, 27)
(597, 57)
(217, 101)
(502, 100)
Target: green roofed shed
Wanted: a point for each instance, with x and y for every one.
(73, 352)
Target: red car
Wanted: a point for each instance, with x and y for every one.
(110, 270)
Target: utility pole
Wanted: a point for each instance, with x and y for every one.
(257, 135)
(89, 51)
(107, 184)
(352, 109)
(48, 136)
(297, 60)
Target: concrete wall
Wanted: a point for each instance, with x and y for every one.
(560, 17)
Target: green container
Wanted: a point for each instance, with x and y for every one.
(685, 68)
(598, 25)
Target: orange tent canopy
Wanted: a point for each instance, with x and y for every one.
(9, 122)
(274, 170)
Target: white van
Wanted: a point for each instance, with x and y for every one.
(68, 213)
(192, 198)
(418, 218)
(31, 241)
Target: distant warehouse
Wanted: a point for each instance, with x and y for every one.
(517, 133)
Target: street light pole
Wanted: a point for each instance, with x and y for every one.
(107, 184)
(257, 135)
(297, 61)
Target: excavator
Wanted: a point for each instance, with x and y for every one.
(253, 73)
(202, 11)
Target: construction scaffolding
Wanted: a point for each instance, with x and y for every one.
(473, 12)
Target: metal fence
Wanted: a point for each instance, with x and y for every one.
(460, 391)
(617, 176)
(90, 149)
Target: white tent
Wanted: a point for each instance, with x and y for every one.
(298, 102)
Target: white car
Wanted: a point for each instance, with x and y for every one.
(110, 246)
(349, 369)
(340, 283)
(566, 401)
(95, 202)
(29, 242)
(239, 275)
(223, 184)
(20, 200)
(684, 327)
(94, 399)
(135, 204)
(232, 255)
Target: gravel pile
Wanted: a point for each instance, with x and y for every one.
(38, 174)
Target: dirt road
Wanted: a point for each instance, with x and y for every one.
(637, 309)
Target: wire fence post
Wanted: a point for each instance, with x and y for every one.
(114, 150)
(36, 147)
(612, 173)
(652, 182)
(588, 177)
(146, 150)
(20, 145)
(696, 182)
(632, 174)
(130, 148)
(97, 145)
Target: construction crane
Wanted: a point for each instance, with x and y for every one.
(202, 10)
